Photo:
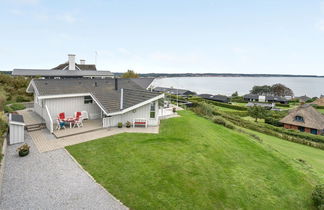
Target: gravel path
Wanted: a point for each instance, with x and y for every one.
(50, 180)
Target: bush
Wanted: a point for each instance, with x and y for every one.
(221, 121)
(8, 109)
(22, 99)
(282, 105)
(120, 125)
(318, 197)
(237, 99)
(273, 121)
(17, 106)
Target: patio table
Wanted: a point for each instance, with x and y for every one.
(70, 120)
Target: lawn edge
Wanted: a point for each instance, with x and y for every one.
(94, 180)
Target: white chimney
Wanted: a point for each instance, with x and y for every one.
(71, 62)
(82, 61)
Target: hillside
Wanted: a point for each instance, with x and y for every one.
(194, 164)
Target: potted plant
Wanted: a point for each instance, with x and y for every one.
(23, 150)
(128, 124)
(120, 125)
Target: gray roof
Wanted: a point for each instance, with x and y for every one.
(143, 82)
(271, 98)
(17, 118)
(60, 73)
(102, 89)
(65, 65)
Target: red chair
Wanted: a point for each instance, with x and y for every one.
(62, 116)
(77, 114)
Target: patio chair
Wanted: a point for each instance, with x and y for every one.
(60, 124)
(61, 116)
(78, 122)
(77, 114)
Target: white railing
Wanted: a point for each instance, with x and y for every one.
(48, 120)
(105, 122)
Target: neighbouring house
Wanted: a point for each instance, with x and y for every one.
(145, 82)
(69, 69)
(111, 100)
(322, 96)
(269, 99)
(174, 91)
(318, 102)
(218, 98)
(264, 105)
(304, 118)
(303, 99)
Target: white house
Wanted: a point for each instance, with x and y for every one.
(111, 100)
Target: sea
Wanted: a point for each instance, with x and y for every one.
(310, 86)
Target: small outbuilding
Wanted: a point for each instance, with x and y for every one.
(16, 129)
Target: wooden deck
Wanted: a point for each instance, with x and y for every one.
(88, 126)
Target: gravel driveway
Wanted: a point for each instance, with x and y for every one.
(50, 180)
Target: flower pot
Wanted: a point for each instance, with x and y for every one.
(128, 126)
(23, 153)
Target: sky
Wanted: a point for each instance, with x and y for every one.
(165, 36)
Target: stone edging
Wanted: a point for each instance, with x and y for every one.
(2, 163)
(91, 177)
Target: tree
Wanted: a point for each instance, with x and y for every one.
(130, 74)
(261, 90)
(281, 90)
(235, 94)
(257, 112)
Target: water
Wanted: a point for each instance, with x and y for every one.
(310, 86)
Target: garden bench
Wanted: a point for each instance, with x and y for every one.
(140, 122)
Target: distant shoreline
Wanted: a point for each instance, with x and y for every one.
(165, 75)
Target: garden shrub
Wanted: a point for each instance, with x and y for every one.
(238, 113)
(230, 106)
(7, 109)
(22, 99)
(17, 106)
(282, 105)
(273, 121)
(221, 121)
(238, 99)
(318, 197)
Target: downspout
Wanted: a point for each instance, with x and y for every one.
(121, 98)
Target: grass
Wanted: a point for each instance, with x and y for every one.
(309, 159)
(193, 164)
(321, 110)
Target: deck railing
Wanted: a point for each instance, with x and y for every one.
(48, 120)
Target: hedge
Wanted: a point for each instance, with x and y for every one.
(230, 106)
(282, 105)
(294, 136)
(17, 106)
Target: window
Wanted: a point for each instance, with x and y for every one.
(301, 129)
(299, 118)
(314, 131)
(152, 110)
(88, 100)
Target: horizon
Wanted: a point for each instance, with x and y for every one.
(166, 37)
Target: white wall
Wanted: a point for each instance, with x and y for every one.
(141, 112)
(16, 134)
(70, 106)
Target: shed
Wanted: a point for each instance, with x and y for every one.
(16, 129)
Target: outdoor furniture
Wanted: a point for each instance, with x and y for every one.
(70, 120)
(60, 124)
(139, 122)
(61, 116)
(85, 115)
(78, 122)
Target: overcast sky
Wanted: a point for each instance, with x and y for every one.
(277, 36)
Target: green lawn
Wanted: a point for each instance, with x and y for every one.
(321, 110)
(309, 159)
(193, 164)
